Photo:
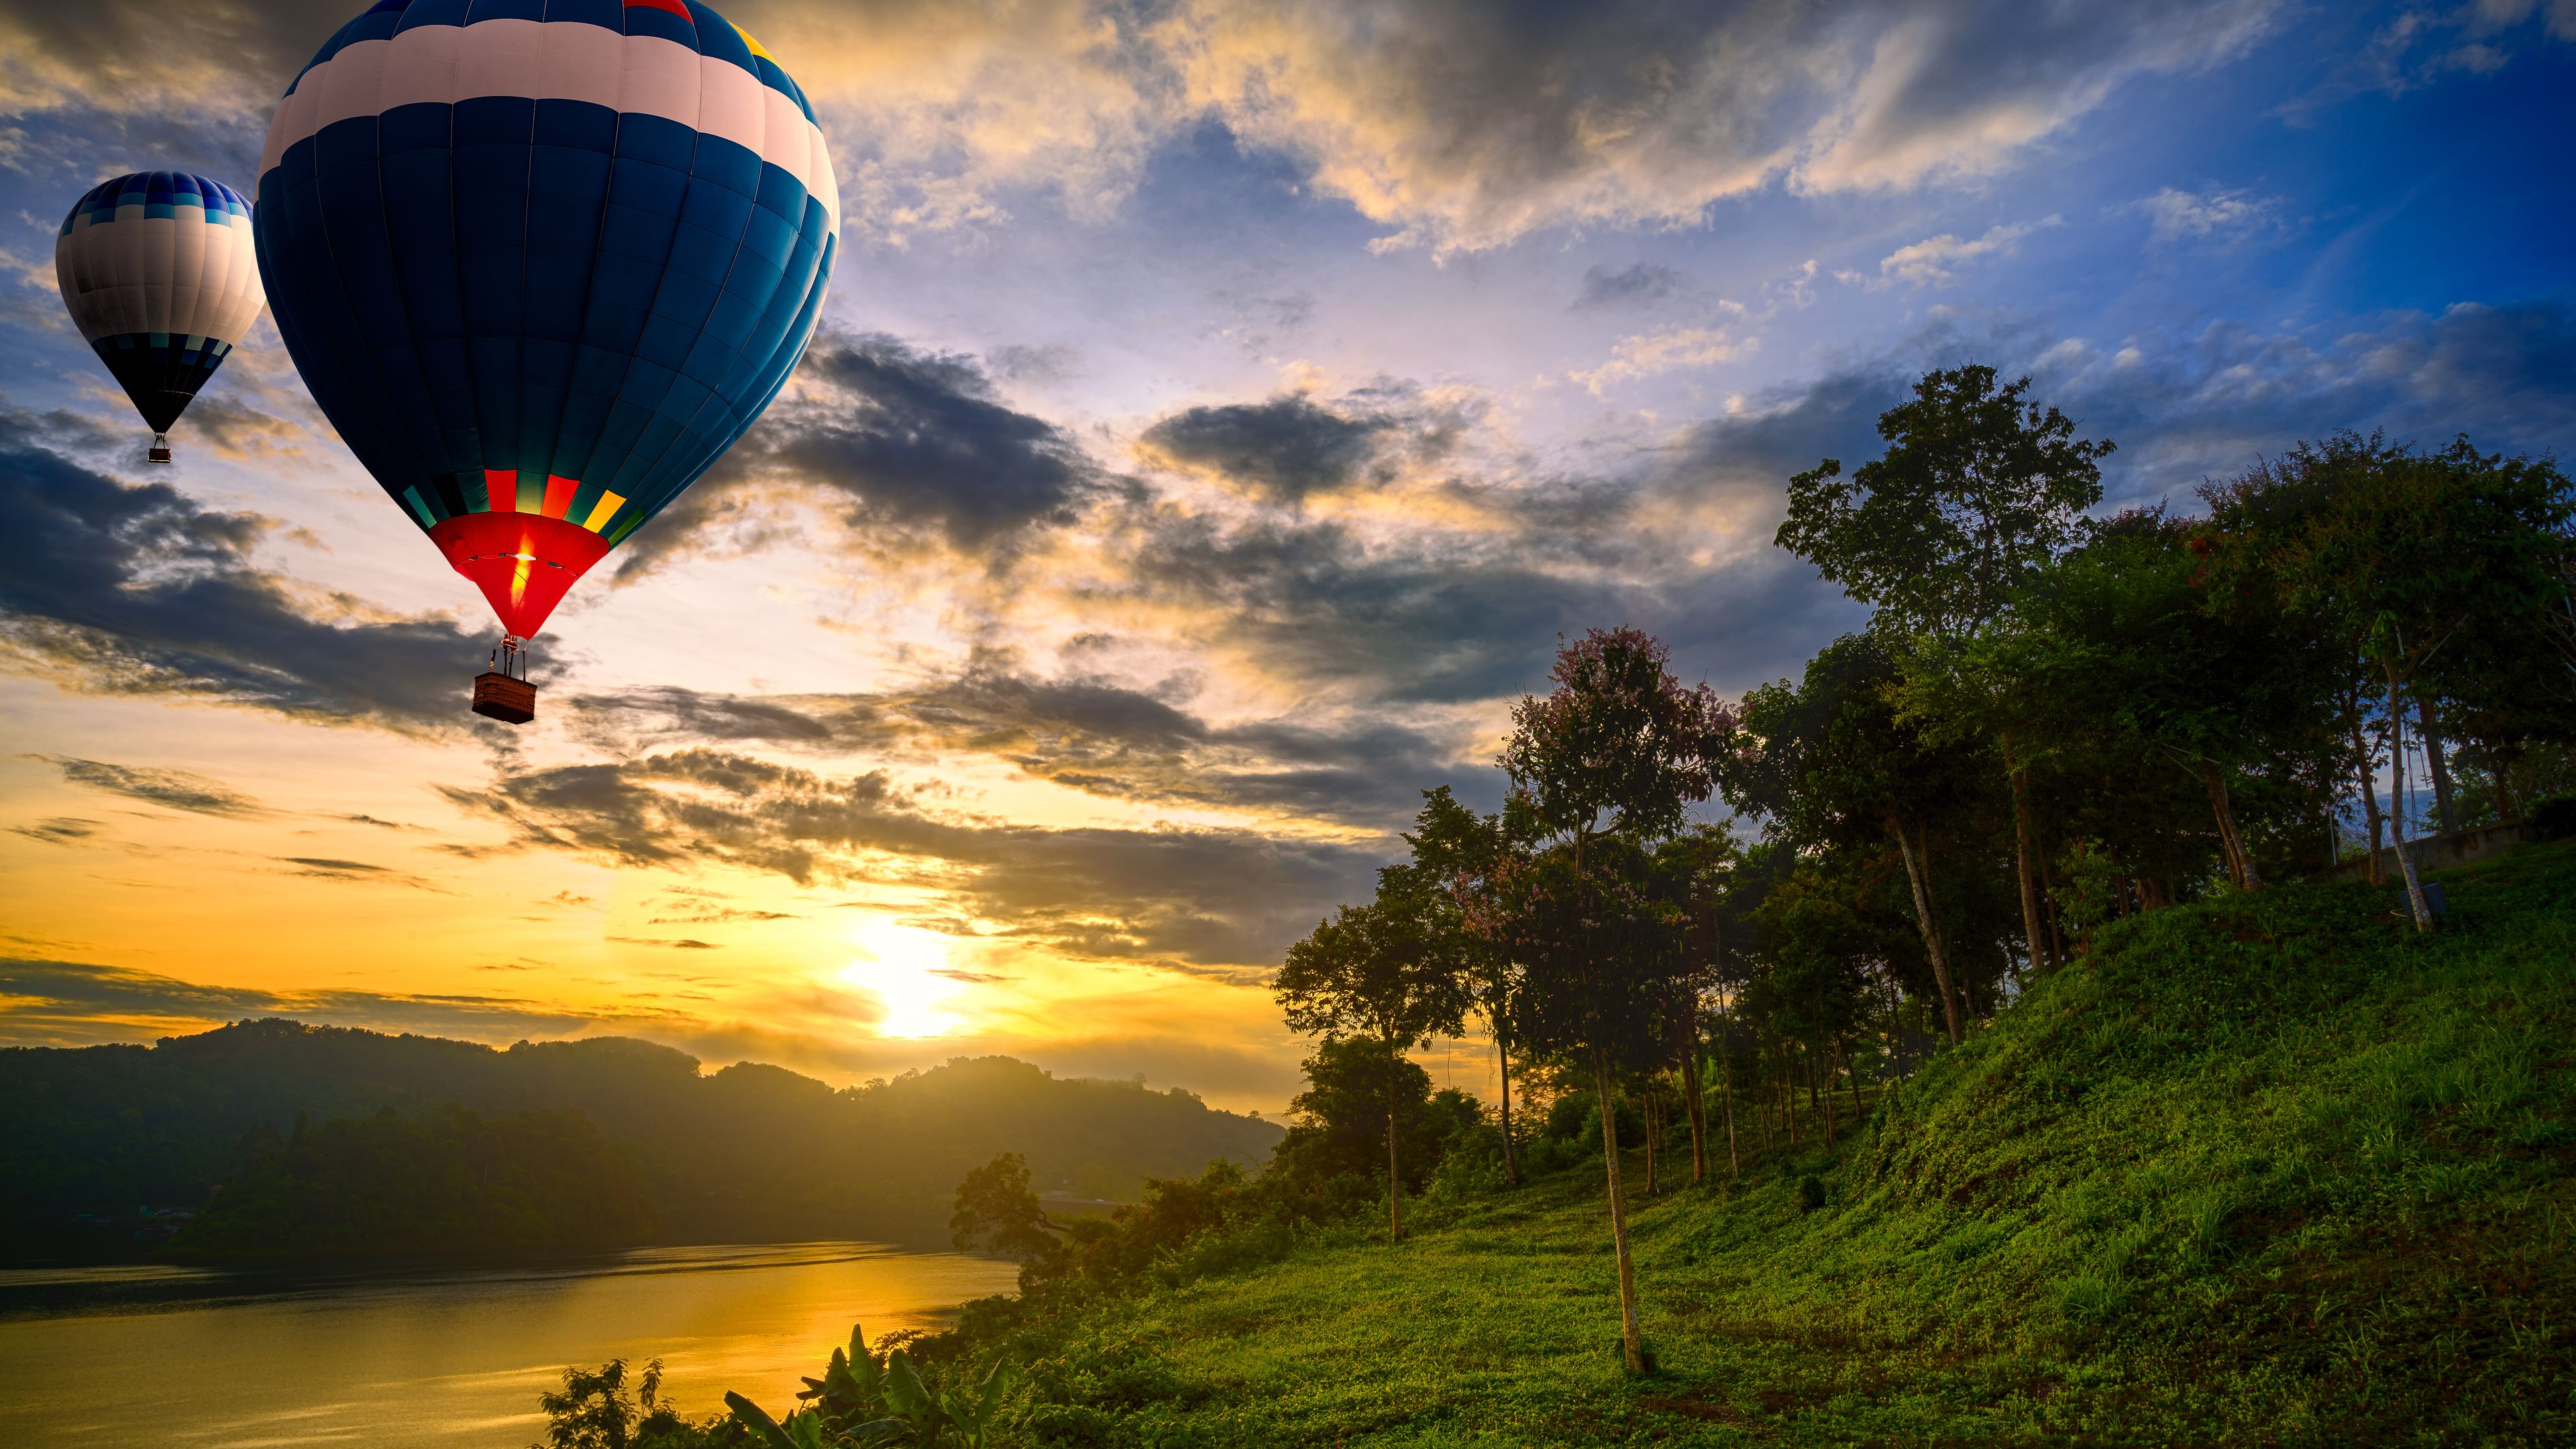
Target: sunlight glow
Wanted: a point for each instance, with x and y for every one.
(907, 969)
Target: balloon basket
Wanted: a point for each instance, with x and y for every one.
(503, 691)
(159, 452)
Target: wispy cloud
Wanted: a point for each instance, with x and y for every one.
(1935, 261)
(2176, 216)
(176, 789)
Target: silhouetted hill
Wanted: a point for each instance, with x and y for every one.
(746, 1154)
(447, 1183)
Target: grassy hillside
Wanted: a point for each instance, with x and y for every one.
(2268, 1169)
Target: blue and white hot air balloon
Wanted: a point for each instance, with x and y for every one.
(158, 272)
(542, 262)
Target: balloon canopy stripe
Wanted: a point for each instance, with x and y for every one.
(160, 274)
(544, 258)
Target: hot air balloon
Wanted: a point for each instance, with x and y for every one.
(541, 262)
(158, 273)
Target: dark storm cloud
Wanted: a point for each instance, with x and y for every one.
(1636, 285)
(896, 440)
(176, 789)
(137, 589)
(1202, 899)
(1311, 603)
(1103, 738)
(1280, 451)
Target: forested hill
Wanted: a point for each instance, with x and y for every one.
(747, 1153)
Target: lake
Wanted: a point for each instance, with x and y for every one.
(454, 1359)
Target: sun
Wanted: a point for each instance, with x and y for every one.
(906, 968)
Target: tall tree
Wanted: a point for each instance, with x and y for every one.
(1830, 762)
(1980, 488)
(1374, 973)
(1607, 763)
(1454, 851)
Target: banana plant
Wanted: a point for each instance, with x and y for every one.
(973, 1416)
(859, 1403)
(803, 1429)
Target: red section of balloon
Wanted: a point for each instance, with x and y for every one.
(523, 562)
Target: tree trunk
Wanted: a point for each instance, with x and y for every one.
(2397, 810)
(1652, 1133)
(1697, 1109)
(2369, 790)
(2025, 846)
(2438, 766)
(1394, 1185)
(1511, 1161)
(1931, 929)
(2048, 911)
(1851, 1077)
(1394, 1177)
(1726, 1086)
(1632, 1344)
(1762, 1104)
(1789, 1089)
(1820, 1074)
(2240, 861)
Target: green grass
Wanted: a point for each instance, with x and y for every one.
(2268, 1169)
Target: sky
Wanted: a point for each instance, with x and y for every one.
(1221, 409)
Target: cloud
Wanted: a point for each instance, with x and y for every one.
(1457, 125)
(2418, 47)
(69, 1003)
(1465, 126)
(1220, 900)
(1638, 284)
(2175, 216)
(137, 589)
(1051, 363)
(59, 830)
(176, 789)
(318, 867)
(1934, 261)
(897, 441)
(1281, 451)
(1682, 347)
(1091, 735)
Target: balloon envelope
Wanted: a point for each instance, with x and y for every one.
(158, 272)
(541, 262)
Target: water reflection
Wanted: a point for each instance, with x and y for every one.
(432, 1357)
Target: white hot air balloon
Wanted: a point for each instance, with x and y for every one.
(160, 274)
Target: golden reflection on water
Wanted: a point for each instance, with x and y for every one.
(450, 1360)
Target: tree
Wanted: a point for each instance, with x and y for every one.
(1830, 762)
(597, 1410)
(997, 1213)
(1604, 765)
(1455, 850)
(2414, 560)
(1341, 1115)
(1373, 972)
(1979, 489)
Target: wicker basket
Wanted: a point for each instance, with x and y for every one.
(498, 696)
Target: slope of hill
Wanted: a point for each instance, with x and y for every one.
(2268, 1169)
(749, 1153)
